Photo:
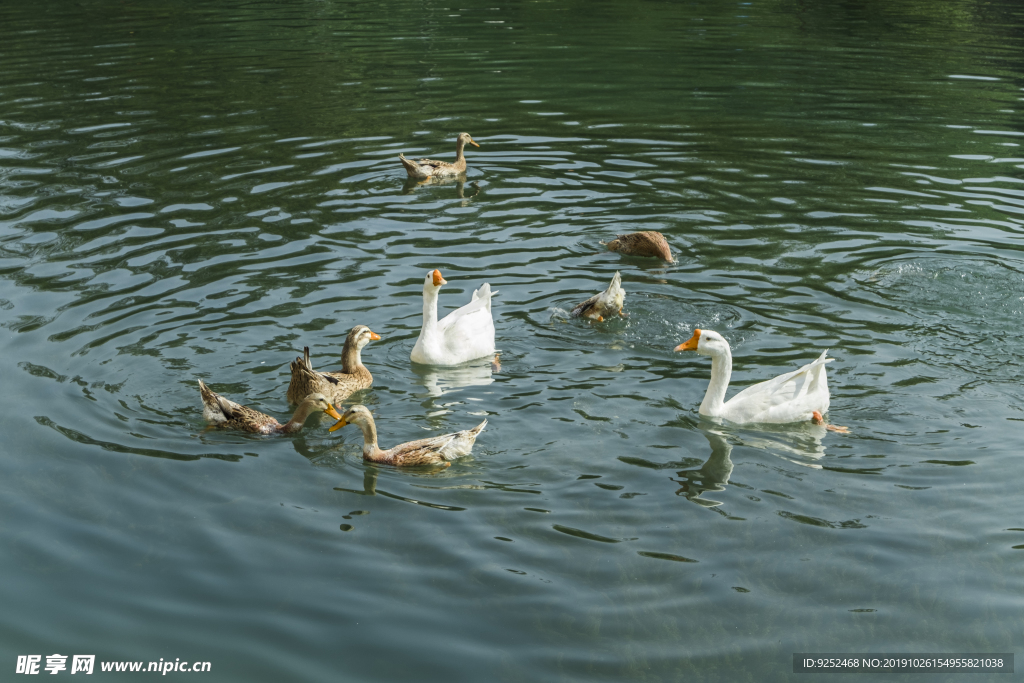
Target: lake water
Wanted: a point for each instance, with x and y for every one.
(190, 190)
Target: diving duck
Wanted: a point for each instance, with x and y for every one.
(646, 243)
(336, 386)
(428, 168)
(434, 450)
(462, 335)
(793, 397)
(605, 304)
(225, 413)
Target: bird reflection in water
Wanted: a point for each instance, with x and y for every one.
(439, 380)
(369, 483)
(459, 181)
(712, 476)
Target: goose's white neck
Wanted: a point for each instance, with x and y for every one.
(429, 333)
(721, 371)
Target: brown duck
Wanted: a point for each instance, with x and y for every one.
(428, 168)
(337, 386)
(222, 412)
(646, 243)
(435, 450)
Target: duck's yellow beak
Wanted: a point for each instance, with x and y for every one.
(438, 280)
(691, 343)
(374, 336)
(333, 413)
(473, 142)
(337, 425)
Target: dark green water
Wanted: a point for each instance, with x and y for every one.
(196, 191)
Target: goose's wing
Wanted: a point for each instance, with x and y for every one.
(787, 398)
(478, 310)
(484, 292)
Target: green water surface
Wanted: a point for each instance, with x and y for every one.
(198, 190)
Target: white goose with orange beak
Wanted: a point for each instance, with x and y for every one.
(463, 335)
(796, 396)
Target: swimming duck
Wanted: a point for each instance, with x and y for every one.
(605, 304)
(462, 335)
(793, 397)
(428, 168)
(646, 243)
(435, 450)
(225, 413)
(336, 386)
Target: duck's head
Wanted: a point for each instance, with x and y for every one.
(466, 138)
(357, 415)
(705, 343)
(320, 402)
(360, 336)
(433, 280)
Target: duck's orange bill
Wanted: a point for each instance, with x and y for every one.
(333, 413)
(337, 425)
(691, 343)
(473, 142)
(438, 280)
(374, 336)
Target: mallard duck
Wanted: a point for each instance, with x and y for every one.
(225, 413)
(428, 168)
(462, 335)
(605, 304)
(646, 243)
(336, 386)
(793, 397)
(435, 450)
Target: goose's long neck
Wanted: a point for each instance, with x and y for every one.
(306, 408)
(721, 372)
(351, 358)
(429, 331)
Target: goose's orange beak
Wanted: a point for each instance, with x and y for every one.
(337, 425)
(438, 280)
(333, 413)
(691, 343)
(374, 336)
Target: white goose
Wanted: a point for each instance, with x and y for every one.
(793, 397)
(462, 335)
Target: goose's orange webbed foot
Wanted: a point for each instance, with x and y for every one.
(817, 419)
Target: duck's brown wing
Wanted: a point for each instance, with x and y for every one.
(420, 452)
(250, 420)
(225, 412)
(431, 162)
(586, 307)
(336, 386)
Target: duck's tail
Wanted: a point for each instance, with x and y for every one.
(302, 363)
(216, 408)
(411, 167)
(475, 431)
